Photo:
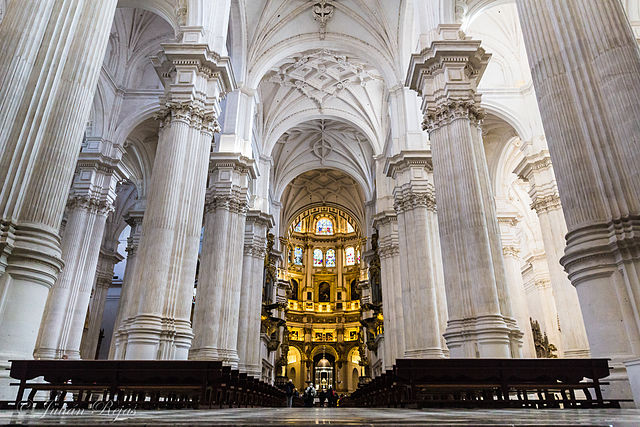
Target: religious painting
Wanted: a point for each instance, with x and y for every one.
(324, 292)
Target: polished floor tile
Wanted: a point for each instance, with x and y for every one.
(330, 416)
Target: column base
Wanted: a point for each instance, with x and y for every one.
(484, 336)
(226, 356)
(143, 338)
(577, 354)
(428, 353)
(251, 370)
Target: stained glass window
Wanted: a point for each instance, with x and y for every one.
(298, 228)
(350, 255)
(324, 226)
(297, 256)
(358, 256)
(317, 258)
(350, 228)
(331, 258)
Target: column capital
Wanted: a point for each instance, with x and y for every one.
(447, 75)
(537, 169)
(185, 66)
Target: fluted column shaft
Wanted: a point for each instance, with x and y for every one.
(250, 311)
(392, 306)
(104, 276)
(594, 145)
(413, 200)
(164, 277)
(127, 303)
(52, 53)
(480, 317)
(513, 264)
(92, 195)
(64, 318)
(216, 315)
(537, 169)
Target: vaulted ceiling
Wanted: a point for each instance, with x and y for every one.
(323, 144)
(323, 187)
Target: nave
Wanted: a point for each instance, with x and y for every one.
(321, 191)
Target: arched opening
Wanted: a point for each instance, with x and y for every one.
(326, 239)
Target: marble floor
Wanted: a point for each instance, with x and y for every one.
(330, 416)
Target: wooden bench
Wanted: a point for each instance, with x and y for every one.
(490, 383)
(143, 383)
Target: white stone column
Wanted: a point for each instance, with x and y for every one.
(593, 141)
(127, 305)
(414, 199)
(108, 258)
(65, 312)
(537, 169)
(513, 269)
(257, 224)
(392, 305)
(165, 273)
(92, 195)
(215, 319)
(51, 58)
(480, 317)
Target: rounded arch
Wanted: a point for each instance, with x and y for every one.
(303, 116)
(305, 211)
(475, 8)
(126, 126)
(328, 349)
(511, 118)
(285, 180)
(166, 9)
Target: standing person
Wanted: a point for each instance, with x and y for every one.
(333, 397)
(289, 389)
(309, 396)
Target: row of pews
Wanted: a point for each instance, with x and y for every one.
(488, 383)
(139, 384)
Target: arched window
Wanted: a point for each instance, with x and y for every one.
(331, 258)
(298, 228)
(297, 255)
(317, 257)
(350, 228)
(350, 254)
(324, 226)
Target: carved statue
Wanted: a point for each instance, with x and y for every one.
(374, 271)
(270, 270)
(544, 349)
